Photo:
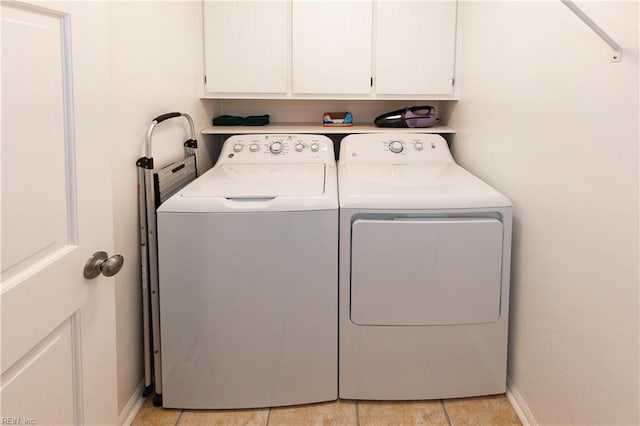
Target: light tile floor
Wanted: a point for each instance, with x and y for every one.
(488, 410)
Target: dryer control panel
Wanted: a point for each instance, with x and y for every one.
(394, 147)
(277, 148)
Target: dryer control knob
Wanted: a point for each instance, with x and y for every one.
(276, 147)
(418, 146)
(395, 146)
(238, 147)
(254, 147)
(315, 147)
(299, 147)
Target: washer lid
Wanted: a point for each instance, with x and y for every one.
(258, 181)
(414, 186)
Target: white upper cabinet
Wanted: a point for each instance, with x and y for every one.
(246, 46)
(331, 47)
(414, 47)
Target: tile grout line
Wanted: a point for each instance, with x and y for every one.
(357, 413)
(446, 413)
(179, 418)
(268, 417)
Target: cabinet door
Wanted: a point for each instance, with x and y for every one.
(332, 47)
(415, 47)
(246, 46)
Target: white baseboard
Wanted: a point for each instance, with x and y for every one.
(519, 405)
(133, 406)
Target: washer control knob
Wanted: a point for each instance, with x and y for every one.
(418, 146)
(276, 147)
(299, 147)
(254, 147)
(315, 147)
(396, 147)
(238, 147)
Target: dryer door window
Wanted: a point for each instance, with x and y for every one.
(439, 271)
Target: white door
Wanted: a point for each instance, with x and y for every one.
(58, 360)
(246, 46)
(331, 47)
(415, 47)
(426, 271)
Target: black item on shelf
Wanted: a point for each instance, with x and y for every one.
(416, 116)
(256, 120)
(227, 120)
(233, 120)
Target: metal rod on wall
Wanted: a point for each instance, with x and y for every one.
(617, 50)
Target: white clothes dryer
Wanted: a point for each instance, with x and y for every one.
(248, 273)
(424, 272)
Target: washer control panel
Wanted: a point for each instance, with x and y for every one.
(276, 148)
(394, 147)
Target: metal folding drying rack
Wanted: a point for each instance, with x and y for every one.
(154, 187)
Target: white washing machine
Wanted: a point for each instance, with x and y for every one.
(248, 277)
(424, 272)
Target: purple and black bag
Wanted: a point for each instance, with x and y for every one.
(416, 116)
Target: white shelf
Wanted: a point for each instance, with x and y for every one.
(319, 129)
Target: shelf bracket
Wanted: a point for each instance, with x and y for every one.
(616, 56)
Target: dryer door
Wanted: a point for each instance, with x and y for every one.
(432, 271)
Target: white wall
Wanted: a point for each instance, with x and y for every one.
(546, 118)
(155, 53)
(543, 116)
